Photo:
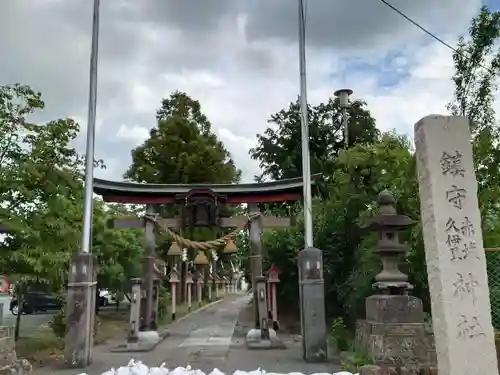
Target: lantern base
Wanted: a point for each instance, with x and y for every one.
(254, 340)
(146, 342)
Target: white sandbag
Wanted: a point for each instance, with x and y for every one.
(138, 368)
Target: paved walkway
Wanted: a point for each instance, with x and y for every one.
(206, 340)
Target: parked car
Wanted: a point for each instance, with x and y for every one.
(36, 301)
(105, 298)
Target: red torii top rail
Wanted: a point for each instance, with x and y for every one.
(264, 192)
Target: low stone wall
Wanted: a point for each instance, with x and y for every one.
(9, 363)
(7, 347)
(380, 370)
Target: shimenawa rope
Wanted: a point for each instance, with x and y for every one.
(197, 245)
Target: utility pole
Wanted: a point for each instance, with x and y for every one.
(311, 283)
(82, 284)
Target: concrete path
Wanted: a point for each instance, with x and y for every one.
(206, 340)
(201, 339)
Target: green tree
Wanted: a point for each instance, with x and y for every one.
(40, 189)
(477, 67)
(182, 148)
(361, 173)
(119, 250)
(279, 150)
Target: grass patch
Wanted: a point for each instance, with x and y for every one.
(42, 349)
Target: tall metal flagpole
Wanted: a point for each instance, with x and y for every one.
(81, 278)
(86, 245)
(311, 283)
(306, 164)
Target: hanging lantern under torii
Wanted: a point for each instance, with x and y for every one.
(174, 249)
(201, 259)
(230, 247)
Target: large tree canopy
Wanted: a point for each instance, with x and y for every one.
(278, 150)
(182, 148)
(41, 195)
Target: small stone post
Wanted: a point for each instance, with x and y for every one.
(226, 286)
(222, 286)
(189, 288)
(312, 306)
(272, 280)
(210, 286)
(174, 280)
(156, 300)
(135, 313)
(199, 285)
(79, 338)
(235, 282)
(454, 252)
(217, 286)
(394, 319)
(262, 306)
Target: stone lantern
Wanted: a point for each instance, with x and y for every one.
(174, 279)
(394, 330)
(189, 287)
(388, 223)
(272, 280)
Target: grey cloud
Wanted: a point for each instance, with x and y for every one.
(354, 24)
(192, 16)
(46, 44)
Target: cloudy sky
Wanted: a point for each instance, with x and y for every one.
(239, 58)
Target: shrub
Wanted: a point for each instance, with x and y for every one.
(58, 324)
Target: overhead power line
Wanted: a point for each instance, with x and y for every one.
(431, 34)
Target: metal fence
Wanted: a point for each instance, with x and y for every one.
(493, 266)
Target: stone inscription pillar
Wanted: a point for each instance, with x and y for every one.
(255, 229)
(312, 305)
(456, 263)
(80, 311)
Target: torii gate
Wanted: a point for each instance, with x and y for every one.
(201, 205)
